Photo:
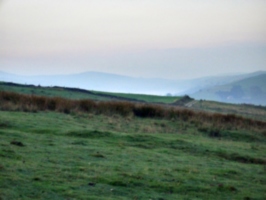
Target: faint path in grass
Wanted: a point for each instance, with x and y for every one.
(191, 103)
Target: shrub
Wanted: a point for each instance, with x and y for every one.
(86, 105)
(51, 104)
(40, 102)
(148, 111)
(110, 108)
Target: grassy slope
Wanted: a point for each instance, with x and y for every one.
(49, 91)
(84, 156)
(245, 84)
(253, 81)
(249, 111)
(254, 112)
(146, 98)
(94, 95)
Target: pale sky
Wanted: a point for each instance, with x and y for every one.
(175, 39)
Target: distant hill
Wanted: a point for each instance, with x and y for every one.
(251, 90)
(101, 82)
(200, 88)
(250, 111)
(203, 83)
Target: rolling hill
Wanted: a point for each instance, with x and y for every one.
(250, 111)
(75, 148)
(251, 90)
(124, 84)
(99, 81)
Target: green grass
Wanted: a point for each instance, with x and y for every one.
(50, 92)
(146, 98)
(250, 111)
(83, 94)
(87, 156)
(254, 112)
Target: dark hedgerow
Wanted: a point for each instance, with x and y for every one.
(86, 105)
(115, 107)
(51, 104)
(148, 111)
(10, 97)
(40, 102)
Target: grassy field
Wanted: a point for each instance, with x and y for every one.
(250, 111)
(146, 98)
(51, 155)
(254, 112)
(50, 91)
(71, 93)
(55, 148)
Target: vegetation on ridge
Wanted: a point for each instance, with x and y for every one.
(14, 101)
(57, 148)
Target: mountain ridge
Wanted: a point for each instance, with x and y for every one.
(100, 81)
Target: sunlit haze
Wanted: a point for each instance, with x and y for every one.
(143, 38)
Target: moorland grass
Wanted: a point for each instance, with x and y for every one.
(245, 110)
(250, 111)
(76, 93)
(95, 156)
(69, 93)
(145, 97)
(31, 103)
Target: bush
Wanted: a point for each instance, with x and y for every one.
(110, 108)
(86, 105)
(148, 111)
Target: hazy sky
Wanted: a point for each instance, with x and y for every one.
(144, 38)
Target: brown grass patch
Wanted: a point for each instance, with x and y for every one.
(31, 103)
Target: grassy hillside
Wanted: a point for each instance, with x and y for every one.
(254, 112)
(51, 155)
(75, 93)
(29, 103)
(146, 98)
(50, 91)
(250, 90)
(55, 148)
(245, 110)
(248, 83)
